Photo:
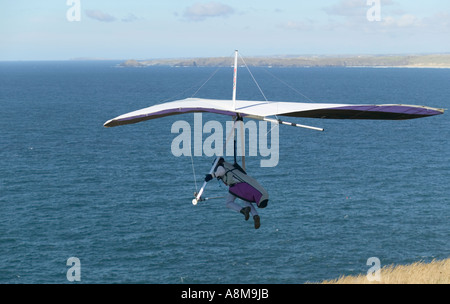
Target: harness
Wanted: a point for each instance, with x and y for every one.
(231, 176)
(243, 186)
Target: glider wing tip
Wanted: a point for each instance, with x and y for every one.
(434, 111)
(109, 124)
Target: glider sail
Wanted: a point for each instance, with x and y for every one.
(263, 109)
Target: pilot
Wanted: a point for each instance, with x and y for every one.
(241, 186)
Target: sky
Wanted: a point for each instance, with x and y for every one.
(148, 29)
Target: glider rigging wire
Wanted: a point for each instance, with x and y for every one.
(191, 87)
(212, 75)
(259, 88)
(289, 86)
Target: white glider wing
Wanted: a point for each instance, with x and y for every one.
(262, 109)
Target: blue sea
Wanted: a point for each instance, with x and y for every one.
(119, 201)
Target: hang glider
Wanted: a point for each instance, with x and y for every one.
(262, 110)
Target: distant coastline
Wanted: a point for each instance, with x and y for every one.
(401, 61)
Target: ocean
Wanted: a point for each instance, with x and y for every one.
(119, 201)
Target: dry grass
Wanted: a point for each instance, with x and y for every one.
(435, 272)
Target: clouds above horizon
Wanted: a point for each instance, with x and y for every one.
(105, 17)
(351, 15)
(208, 27)
(194, 12)
(354, 7)
(202, 11)
(100, 16)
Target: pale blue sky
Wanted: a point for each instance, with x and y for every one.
(144, 29)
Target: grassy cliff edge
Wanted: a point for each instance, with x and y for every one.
(435, 272)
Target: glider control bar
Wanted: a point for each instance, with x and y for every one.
(199, 194)
(281, 122)
(209, 198)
